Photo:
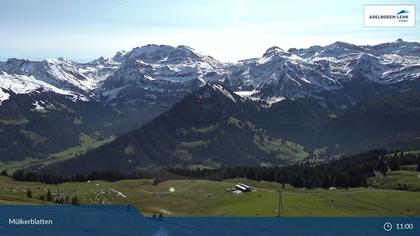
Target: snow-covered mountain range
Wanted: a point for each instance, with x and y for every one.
(163, 74)
(298, 91)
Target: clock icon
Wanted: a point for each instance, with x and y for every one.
(387, 226)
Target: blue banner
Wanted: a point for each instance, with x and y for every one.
(127, 220)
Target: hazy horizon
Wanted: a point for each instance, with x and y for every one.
(197, 49)
(226, 30)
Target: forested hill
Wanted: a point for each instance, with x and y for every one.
(352, 171)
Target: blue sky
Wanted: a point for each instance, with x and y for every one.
(228, 30)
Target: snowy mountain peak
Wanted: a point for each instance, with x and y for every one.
(103, 61)
(182, 53)
(341, 49)
(60, 73)
(399, 40)
(154, 54)
(119, 56)
(154, 70)
(65, 60)
(149, 53)
(277, 55)
(275, 51)
(23, 84)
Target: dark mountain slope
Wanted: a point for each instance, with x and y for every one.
(208, 127)
(36, 124)
(380, 122)
(214, 126)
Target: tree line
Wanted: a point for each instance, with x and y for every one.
(352, 171)
(106, 175)
(57, 199)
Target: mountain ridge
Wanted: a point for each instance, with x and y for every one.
(213, 126)
(138, 85)
(292, 73)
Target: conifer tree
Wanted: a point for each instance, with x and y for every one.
(29, 193)
(75, 200)
(49, 196)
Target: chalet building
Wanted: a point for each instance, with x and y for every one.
(243, 187)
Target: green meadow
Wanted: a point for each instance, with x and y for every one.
(215, 198)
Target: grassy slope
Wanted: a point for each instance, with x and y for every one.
(86, 143)
(284, 150)
(403, 179)
(202, 197)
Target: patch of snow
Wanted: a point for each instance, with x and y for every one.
(3, 96)
(23, 84)
(245, 94)
(38, 107)
(306, 81)
(270, 101)
(264, 60)
(149, 78)
(223, 91)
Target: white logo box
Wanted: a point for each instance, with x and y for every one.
(389, 15)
